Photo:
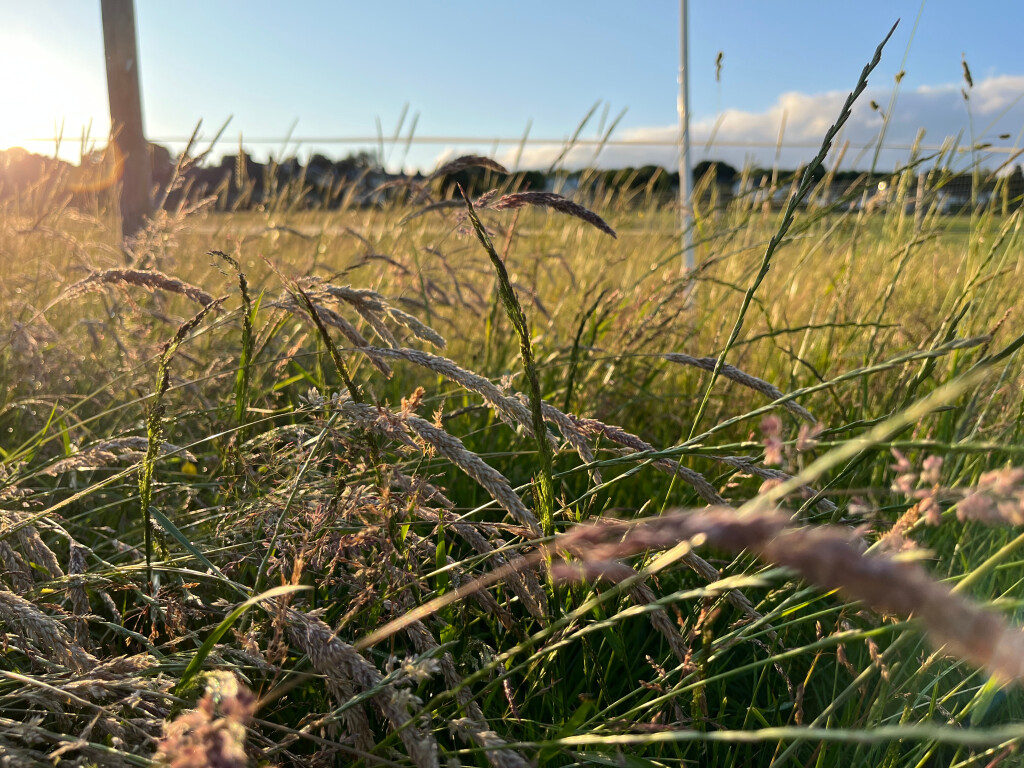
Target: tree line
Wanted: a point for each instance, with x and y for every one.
(239, 182)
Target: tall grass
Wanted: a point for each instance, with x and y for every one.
(345, 536)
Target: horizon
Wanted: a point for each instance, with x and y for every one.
(698, 170)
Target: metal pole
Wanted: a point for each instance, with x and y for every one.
(126, 113)
(683, 106)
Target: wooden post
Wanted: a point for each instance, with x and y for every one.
(126, 113)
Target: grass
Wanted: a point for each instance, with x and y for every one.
(296, 508)
(363, 487)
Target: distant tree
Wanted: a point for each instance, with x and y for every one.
(320, 162)
(613, 179)
(653, 175)
(725, 174)
(625, 178)
(534, 181)
(960, 185)
(759, 176)
(632, 179)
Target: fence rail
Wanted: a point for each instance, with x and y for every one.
(531, 141)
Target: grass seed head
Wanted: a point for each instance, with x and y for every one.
(555, 203)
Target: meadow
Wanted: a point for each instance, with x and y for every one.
(483, 484)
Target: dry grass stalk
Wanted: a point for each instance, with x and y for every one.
(370, 305)
(704, 489)
(593, 570)
(751, 382)
(17, 571)
(744, 464)
(316, 642)
(524, 584)
(829, 557)
(49, 637)
(452, 449)
(722, 528)
(331, 318)
(555, 203)
(317, 287)
(109, 452)
(424, 491)
(377, 324)
(33, 549)
(77, 566)
(496, 483)
(509, 409)
(696, 480)
(37, 553)
(644, 595)
(522, 581)
(119, 700)
(14, 733)
(473, 726)
(373, 307)
(149, 279)
(574, 436)
(458, 576)
(419, 329)
(119, 667)
(340, 662)
(498, 754)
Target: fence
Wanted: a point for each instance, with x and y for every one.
(404, 142)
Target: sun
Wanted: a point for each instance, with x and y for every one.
(40, 90)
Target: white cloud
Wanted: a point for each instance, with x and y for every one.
(996, 107)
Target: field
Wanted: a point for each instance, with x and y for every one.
(333, 488)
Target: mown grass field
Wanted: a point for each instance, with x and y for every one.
(209, 505)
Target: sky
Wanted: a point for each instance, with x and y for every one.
(487, 70)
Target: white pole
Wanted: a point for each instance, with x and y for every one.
(683, 106)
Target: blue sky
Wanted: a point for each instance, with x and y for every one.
(486, 69)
